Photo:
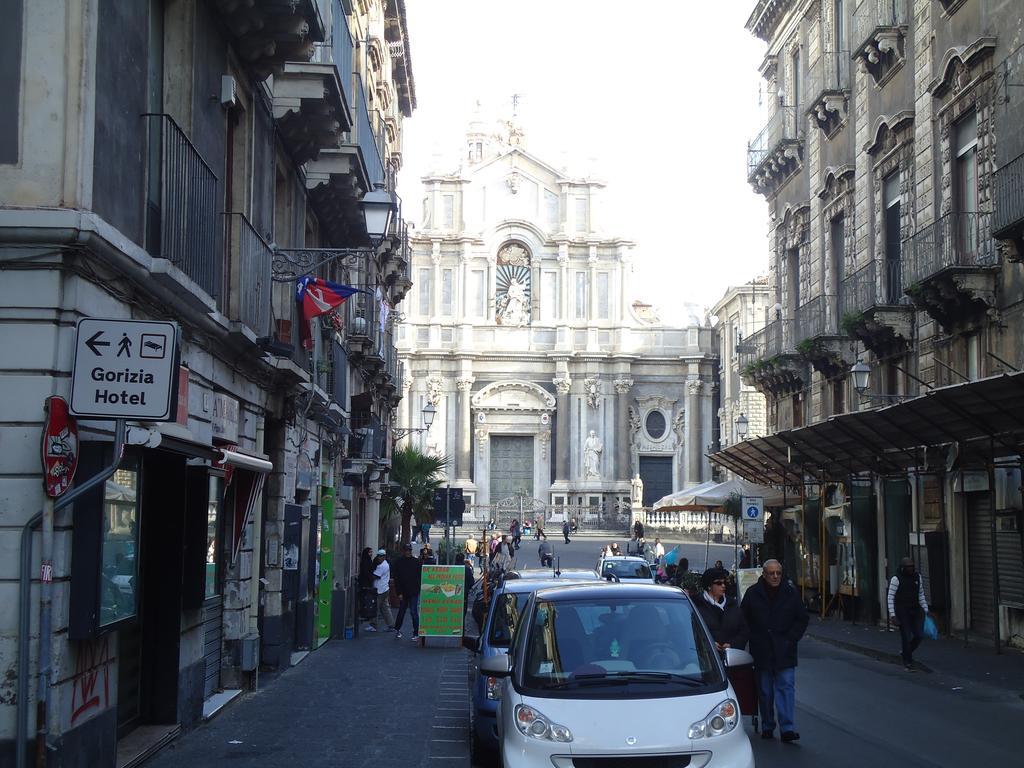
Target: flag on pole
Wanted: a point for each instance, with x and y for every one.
(316, 297)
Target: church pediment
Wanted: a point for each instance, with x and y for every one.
(513, 396)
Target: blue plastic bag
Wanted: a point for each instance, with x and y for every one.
(930, 630)
(671, 556)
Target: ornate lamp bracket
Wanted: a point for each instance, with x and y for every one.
(290, 264)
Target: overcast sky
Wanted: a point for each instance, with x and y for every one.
(658, 97)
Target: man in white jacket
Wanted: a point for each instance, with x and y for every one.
(907, 609)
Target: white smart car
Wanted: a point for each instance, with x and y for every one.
(627, 569)
(604, 674)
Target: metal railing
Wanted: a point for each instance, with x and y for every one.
(872, 15)
(366, 138)
(770, 341)
(337, 380)
(829, 73)
(182, 226)
(782, 126)
(369, 437)
(812, 319)
(859, 291)
(362, 320)
(248, 283)
(1009, 197)
(955, 240)
(341, 48)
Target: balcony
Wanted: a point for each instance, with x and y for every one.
(247, 282)
(1008, 219)
(362, 327)
(828, 87)
(369, 438)
(879, 315)
(336, 380)
(776, 152)
(397, 259)
(310, 109)
(949, 269)
(879, 30)
(182, 208)
(818, 338)
(268, 33)
(768, 361)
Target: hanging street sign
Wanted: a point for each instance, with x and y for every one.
(125, 369)
(753, 507)
(60, 447)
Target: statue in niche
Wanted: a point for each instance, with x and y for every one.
(513, 307)
(512, 286)
(592, 449)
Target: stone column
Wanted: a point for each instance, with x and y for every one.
(435, 258)
(409, 411)
(562, 429)
(694, 421)
(463, 453)
(623, 470)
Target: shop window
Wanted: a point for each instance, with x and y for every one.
(214, 541)
(119, 545)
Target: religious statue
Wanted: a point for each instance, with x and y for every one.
(593, 390)
(512, 307)
(433, 449)
(637, 490)
(592, 449)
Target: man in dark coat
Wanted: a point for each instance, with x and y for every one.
(722, 615)
(777, 620)
(407, 584)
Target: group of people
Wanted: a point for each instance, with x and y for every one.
(771, 619)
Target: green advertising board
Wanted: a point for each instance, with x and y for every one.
(323, 614)
(442, 594)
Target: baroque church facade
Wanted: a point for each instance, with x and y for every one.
(549, 380)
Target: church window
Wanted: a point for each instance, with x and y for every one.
(551, 208)
(581, 295)
(549, 295)
(655, 424)
(449, 211)
(447, 277)
(603, 310)
(582, 225)
(424, 295)
(477, 295)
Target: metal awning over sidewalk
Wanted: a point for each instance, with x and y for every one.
(984, 419)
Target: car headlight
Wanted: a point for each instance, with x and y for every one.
(719, 721)
(532, 723)
(493, 685)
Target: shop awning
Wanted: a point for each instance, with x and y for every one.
(248, 490)
(984, 419)
(244, 461)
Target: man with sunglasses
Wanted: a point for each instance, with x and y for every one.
(777, 620)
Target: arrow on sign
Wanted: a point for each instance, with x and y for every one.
(93, 341)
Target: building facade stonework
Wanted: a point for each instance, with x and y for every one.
(550, 382)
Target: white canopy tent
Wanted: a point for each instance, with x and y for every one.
(711, 494)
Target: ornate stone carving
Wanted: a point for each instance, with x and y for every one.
(543, 438)
(512, 181)
(694, 386)
(481, 440)
(634, 424)
(512, 286)
(514, 396)
(622, 386)
(679, 426)
(435, 386)
(562, 385)
(465, 385)
(592, 388)
(407, 383)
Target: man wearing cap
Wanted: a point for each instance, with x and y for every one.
(407, 583)
(777, 620)
(382, 585)
(907, 609)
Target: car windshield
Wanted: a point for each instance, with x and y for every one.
(614, 647)
(507, 609)
(626, 569)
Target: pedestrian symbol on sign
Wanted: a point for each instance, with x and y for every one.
(753, 512)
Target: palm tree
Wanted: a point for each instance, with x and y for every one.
(414, 478)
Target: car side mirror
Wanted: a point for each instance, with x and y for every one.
(497, 666)
(472, 643)
(734, 657)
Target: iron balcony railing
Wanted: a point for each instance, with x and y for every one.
(770, 341)
(337, 381)
(341, 48)
(247, 283)
(859, 291)
(182, 215)
(873, 15)
(1009, 197)
(369, 437)
(812, 319)
(829, 73)
(782, 126)
(955, 240)
(366, 138)
(362, 321)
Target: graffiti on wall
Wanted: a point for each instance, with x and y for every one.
(91, 684)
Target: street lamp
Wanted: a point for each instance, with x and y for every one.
(427, 415)
(861, 373)
(378, 207)
(742, 427)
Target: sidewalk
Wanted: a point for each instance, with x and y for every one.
(375, 701)
(975, 662)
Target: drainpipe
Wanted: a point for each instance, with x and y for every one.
(44, 519)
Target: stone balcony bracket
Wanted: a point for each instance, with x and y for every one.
(310, 109)
(269, 33)
(958, 299)
(883, 53)
(777, 167)
(830, 111)
(885, 330)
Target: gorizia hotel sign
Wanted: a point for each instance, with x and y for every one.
(125, 369)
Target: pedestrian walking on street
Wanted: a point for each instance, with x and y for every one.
(517, 532)
(470, 581)
(638, 531)
(777, 619)
(547, 554)
(471, 548)
(382, 585)
(722, 615)
(659, 550)
(407, 583)
(367, 594)
(565, 531)
(907, 609)
(538, 533)
(425, 533)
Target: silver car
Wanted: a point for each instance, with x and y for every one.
(612, 672)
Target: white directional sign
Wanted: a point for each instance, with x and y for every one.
(125, 369)
(753, 507)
